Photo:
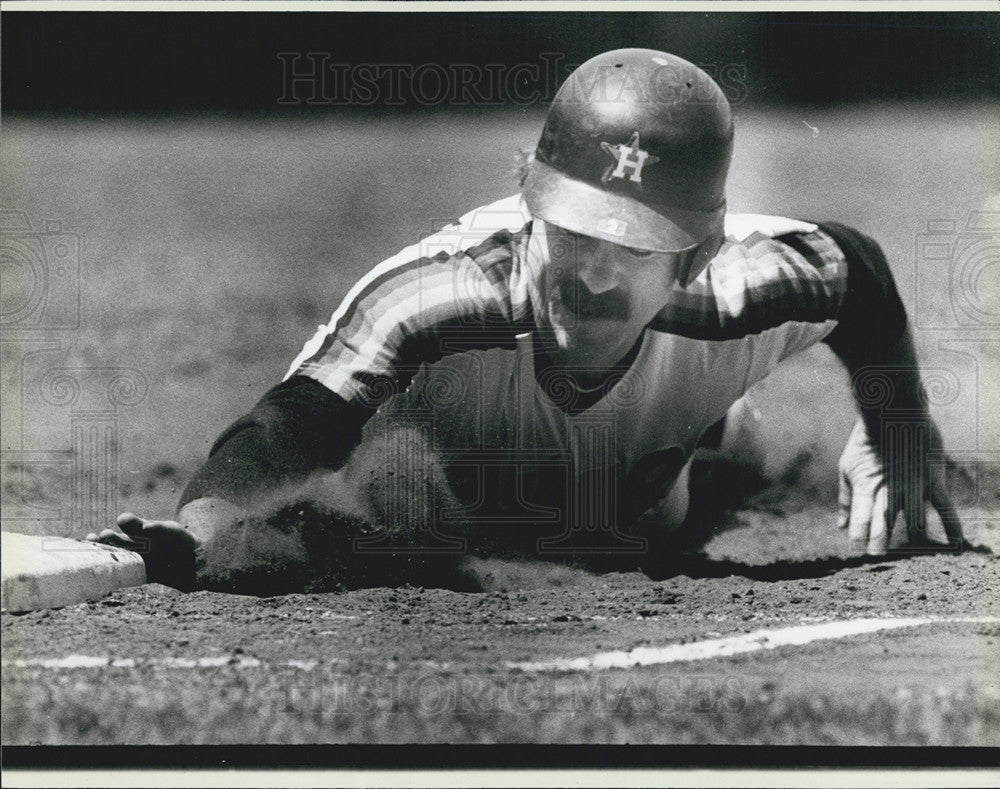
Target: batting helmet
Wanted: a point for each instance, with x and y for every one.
(635, 150)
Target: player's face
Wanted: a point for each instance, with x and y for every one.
(597, 296)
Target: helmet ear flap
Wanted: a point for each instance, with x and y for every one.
(696, 260)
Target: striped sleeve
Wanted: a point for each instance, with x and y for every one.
(759, 284)
(449, 293)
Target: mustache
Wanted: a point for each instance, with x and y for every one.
(581, 301)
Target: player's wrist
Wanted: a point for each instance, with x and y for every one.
(203, 517)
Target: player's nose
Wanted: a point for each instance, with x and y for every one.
(599, 270)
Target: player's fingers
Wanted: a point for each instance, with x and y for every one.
(844, 501)
(129, 522)
(935, 530)
(111, 537)
(950, 521)
(135, 528)
(859, 521)
(881, 522)
(909, 494)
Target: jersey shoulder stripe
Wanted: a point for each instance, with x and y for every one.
(457, 279)
(769, 271)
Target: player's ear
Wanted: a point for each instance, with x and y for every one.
(694, 261)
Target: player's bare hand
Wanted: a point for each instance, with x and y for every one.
(167, 548)
(879, 483)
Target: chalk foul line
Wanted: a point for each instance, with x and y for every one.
(759, 640)
(796, 635)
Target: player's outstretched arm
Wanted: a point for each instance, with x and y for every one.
(218, 535)
(885, 468)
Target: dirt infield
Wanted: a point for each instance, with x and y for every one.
(153, 666)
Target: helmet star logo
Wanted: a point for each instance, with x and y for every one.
(629, 158)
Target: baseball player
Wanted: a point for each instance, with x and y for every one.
(556, 357)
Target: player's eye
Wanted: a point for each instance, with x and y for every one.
(640, 253)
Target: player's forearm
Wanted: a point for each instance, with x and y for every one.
(885, 379)
(873, 338)
(237, 550)
(297, 428)
(872, 319)
(206, 517)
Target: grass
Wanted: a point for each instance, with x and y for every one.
(638, 706)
